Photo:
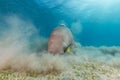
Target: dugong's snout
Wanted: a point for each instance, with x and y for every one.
(55, 44)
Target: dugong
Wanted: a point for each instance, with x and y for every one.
(60, 40)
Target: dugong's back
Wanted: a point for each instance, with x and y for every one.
(60, 38)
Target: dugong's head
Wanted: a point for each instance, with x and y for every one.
(55, 44)
(59, 40)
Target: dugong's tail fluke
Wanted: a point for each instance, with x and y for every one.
(62, 25)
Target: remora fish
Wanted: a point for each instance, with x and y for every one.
(60, 40)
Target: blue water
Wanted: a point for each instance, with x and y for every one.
(98, 20)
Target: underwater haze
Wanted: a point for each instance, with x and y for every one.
(25, 27)
(95, 22)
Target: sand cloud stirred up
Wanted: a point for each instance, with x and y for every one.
(19, 54)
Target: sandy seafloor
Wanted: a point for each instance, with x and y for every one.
(78, 66)
(23, 59)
